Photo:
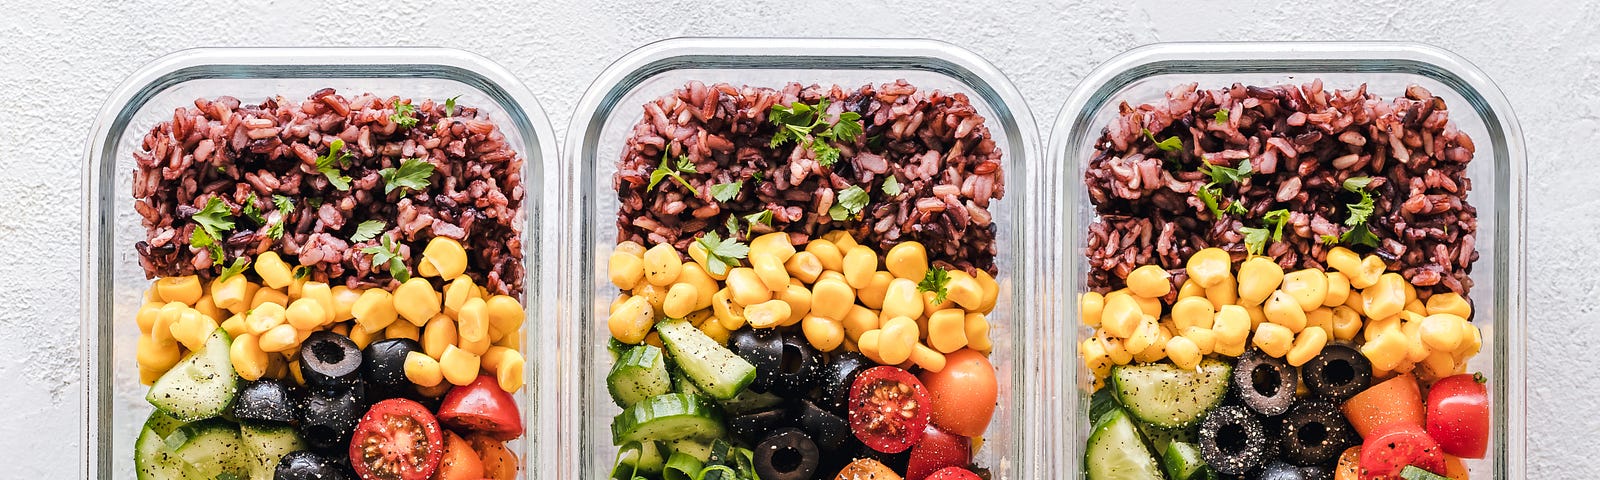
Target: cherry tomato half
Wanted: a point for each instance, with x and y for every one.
(888, 409)
(1458, 415)
(460, 461)
(1396, 400)
(953, 473)
(937, 450)
(482, 407)
(964, 393)
(397, 438)
(1393, 446)
(498, 461)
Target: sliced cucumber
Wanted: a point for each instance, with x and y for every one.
(682, 466)
(266, 445)
(212, 447)
(1103, 400)
(713, 368)
(693, 447)
(152, 459)
(1160, 437)
(640, 373)
(667, 417)
(1167, 396)
(201, 385)
(1116, 452)
(651, 459)
(1183, 462)
(749, 401)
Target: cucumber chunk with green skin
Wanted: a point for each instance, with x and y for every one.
(212, 447)
(667, 417)
(201, 385)
(266, 445)
(651, 459)
(1160, 437)
(1103, 400)
(1166, 396)
(682, 466)
(640, 373)
(1413, 472)
(1116, 451)
(1182, 461)
(712, 367)
(152, 459)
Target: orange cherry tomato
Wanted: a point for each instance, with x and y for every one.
(460, 461)
(964, 393)
(1349, 467)
(498, 461)
(1395, 400)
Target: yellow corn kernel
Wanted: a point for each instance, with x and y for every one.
(630, 247)
(273, 271)
(827, 274)
(416, 301)
(1442, 332)
(1346, 323)
(1157, 349)
(456, 293)
(1273, 339)
(804, 266)
(699, 316)
(146, 317)
(1183, 352)
(232, 291)
(827, 254)
(304, 314)
(1192, 312)
(361, 337)
(823, 334)
(832, 298)
(745, 287)
(976, 328)
(505, 314)
(234, 325)
(1307, 345)
(868, 345)
(947, 330)
(374, 311)
(1416, 349)
(770, 271)
(1356, 302)
(1438, 365)
(632, 321)
(680, 301)
(704, 286)
(1308, 287)
(1338, 289)
(898, 337)
(184, 289)
(343, 329)
(1386, 297)
(728, 313)
(477, 347)
(437, 334)
(777, 244)
(1231, 349)
(269, 295)
(402, 330)
(1148, 306)
(248, 359)
(859, 321)
(1387, 351)
(1145, 334)
(458, 366)
(247, 300)
(1371, 268)
(1415, 306)
(1321, 317)
(1091, 307)
(1232, 324)
(323, 295)
(293, 291)
(697, 253)
(446, 256)
(510, 373)
(1121, 315)
(716, 331)
(799, 300)
(1094, 356)
(1348, 263)
(472, 324)
(423, 370)
(859, 263)
(1150, 281)
(265, 317)
(513, 340)
(657, 296)
(1282, 309)
(1207, 267)
(662, 265)
(908, 260)
(1116, 349)
(492, 358)
(344, 301)
(991, 291)
(1378, 326)
(931, 304)
(1471, 340)
(841, 239)
(1203, 338)
(768, 314)
(625, 269)
(927, 358)
(1258, 278)
(1449, 302)
(1191, 288)
(964, 290)
(872, 296)
(156, 356)
(1257, 315)
(279, 338)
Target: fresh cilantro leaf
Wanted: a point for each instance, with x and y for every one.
(404, 114)
(285, 207)
(1235, 207)
(674, 170)
(1330, 240)
(826, 154)
(1276, 218)
(368, 229)
(1357, 184)
(763, 217)
(757, 177)
(846, 129)
(200, 239)
(936, 280)
(1221, 116)
(413, 174)
(1171, 144)
(726, 191)
(284, 204)
(807, 126)
(848, 203)
(251, 211)
(721, 253)
(732, 225)
(891, 186)
(1360, 235)
(1360, 210)
(450, 106)
(276, 230)
(1208, 195)
(1255, 239)
(331, 164)
(238, 266)
(386, 252)
(215, 217)
(1223, 175)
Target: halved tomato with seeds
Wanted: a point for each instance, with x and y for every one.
(397, 439)
(889, 409)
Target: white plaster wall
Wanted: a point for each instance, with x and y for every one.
(57, 65)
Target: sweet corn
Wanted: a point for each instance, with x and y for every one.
(729, 314)
(446, 256)
(279, 338)
(977, 332)
(868, 345)
(361, 337)
(1121, 315)
(1348, 263)
(1150, 281)
(423, 370)
(1356, 302)
(931, 304)
(799, 300)
(293, 290)
(234, 325)
(269, 295)
(1183, 352)
(1346, 323)
(232, 291)
(505, 314)
(656, 295)
(964, 290)
(374, 310)
(1372, 267)
(477, 347)
(1209, 266)
(146, 317)
(1191, 288)
(344, 301)
(823, 334)
(1258, 278)
(697, 252)
(1232, 325)
(458, 366)
(402, 330)
(1203, 338)
(323, 295)
(705, 286)
(437, 334)
(264, 317)
(1379, 326)
(1442, 332)
(776, 244)
(1308, 287)
(1145, 334)
(827, 254)
(1415, 306)
(513, 340)
(456, 293)
(908, 260)
(841, 239)
(698, 316)
(1115, 348)
(416, 301)
(1306, 346)
(662, 265)
(1338, 289)
(509, 374)
(1147, 306)
(745, 287)
(859, 321)
(804, 266)
(1284, 310)
(1386, 297)
(768, 314)
(492, 358)
(832, 298)
(632, 321)
(248, 359)
(1471, 340)
(873, 295)
(1451, 303)
(830, 274)
(1439, 365)
(1273, 339)
(156, 356)
(1322, 318)
(1387, 351)
(472, 324)
(947, 330)
(1095, 358)
(898, 337)
(927, 358)
(1091, 307)
(184, 289)
(716, 331)
(681, 300)
(1230, 349)
(991, 291)
(1225, 293)
(1157, 349)
(625, 268)
(770, 271)
(859, 263)
(272, 270)
(304, 314)
(1192, 312)
(630, 247)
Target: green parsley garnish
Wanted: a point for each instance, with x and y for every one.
(333, 162)
(763, 217)
(1223, 175)
(726, 191)
(238, 266)
(285, 207)
(210, 223)
(1171, 144)
(388, 253)
(1329, 240)
(732, 225)
(1255, 239)
(450, 106)
(674, 170)
(404, 114)
(721, 253)
(367, 230)
(1211, 196)
(413, 174)
(936, 280)
(848, 203)
(251, 211)
(808, 126)
(1221, 116)
(891, 186)
(1359, 233)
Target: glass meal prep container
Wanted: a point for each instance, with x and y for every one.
(113, 282)
(1016, 443)
(1478, 109)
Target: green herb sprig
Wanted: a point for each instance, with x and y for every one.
(387, 252)
(405, 114)
(808, 126)
(332, 164)
(673, 169)
(210, 223)
(848, 203)
(412, 174)
(722, 253)
(1359, 233)
(937, 280)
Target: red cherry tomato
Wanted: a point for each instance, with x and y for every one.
(888, 409)
(397, 439)
(953, 473)
(1396, 400)
(482, 407)
(1393, 446)
(1458, 415)
(936, 451)
(964, 393)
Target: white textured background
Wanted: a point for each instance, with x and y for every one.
(58, 64)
